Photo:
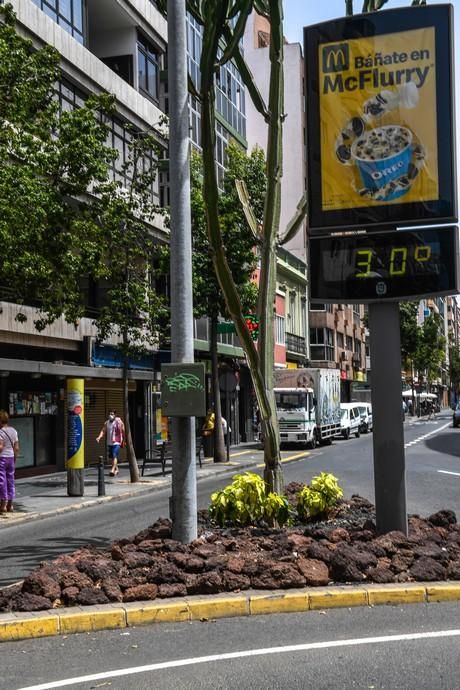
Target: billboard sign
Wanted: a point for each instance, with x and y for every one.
(380, 119)
(375, 267)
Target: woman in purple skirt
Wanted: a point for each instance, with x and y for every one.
(9, 448)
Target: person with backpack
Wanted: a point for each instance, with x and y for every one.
(9, 449)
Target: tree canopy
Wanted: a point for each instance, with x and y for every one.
(49, 162)
(237, 237)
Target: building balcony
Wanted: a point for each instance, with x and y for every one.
(296, 343)
(81, 63)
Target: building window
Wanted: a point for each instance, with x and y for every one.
(230, 97)
(340, 340)
(147, 68)
(118, 138)
(349, 342)
(303, 318)
(322, 344)
(280, 335)
(292, 311)
(317, 306)
(221, 153)
(69, 14)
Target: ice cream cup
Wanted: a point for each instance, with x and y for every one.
(378, 171)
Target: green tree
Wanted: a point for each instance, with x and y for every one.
(133, 311)
(431, 351)
(48, 161)
(207, 295)
(410, 333)
(454, 369)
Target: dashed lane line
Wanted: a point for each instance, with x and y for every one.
(455, 474)
(422, 438)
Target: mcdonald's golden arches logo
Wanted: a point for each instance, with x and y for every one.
(336, 58)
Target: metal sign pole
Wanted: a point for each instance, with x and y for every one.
(388, 436)
(184, 499)
(227, 412)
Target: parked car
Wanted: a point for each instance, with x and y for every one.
(365, 410)
(456, 416)
(350, 420)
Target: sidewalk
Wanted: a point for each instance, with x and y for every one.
(46, 495)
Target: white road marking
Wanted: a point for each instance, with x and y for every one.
(241, 655)
(422, 438)
(456, 474)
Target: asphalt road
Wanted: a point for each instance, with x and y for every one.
(411, 647)
(429, 488)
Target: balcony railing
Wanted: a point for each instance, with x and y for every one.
(296, 343)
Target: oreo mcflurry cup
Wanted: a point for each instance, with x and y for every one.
(382, 156)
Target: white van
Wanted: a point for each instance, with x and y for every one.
(365, 410)
(350, 420)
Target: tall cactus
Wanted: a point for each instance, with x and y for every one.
(221, 38)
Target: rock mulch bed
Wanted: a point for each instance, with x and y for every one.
(343, 549)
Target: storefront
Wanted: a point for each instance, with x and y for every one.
(33, 393)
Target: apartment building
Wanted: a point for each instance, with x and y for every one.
(291, 341)
(338, 339)
(334, 334)
(114, 46)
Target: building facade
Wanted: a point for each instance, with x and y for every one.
(114, 46)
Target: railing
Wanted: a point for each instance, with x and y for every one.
(296, 343)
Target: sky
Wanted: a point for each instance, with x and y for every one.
(300, 13)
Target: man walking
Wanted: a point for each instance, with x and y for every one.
(114, 430)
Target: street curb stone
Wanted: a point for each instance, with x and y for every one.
(63, 621)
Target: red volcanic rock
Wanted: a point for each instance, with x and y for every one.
(31, 602)
(299, 542)
(141, 593)
(234, 582)
(343, 548)
(380, 574)
(88, 596)
(175, 590)
(281, 575)
(443, 518)
(316, 573)
(42, 584)
(427, 569)
(112, 590)
(204, 583)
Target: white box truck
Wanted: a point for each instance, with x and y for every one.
(308, 405)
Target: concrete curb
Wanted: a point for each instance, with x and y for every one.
(22, 626)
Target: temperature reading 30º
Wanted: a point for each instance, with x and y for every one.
(368, 260)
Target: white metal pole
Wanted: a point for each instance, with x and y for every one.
(184, 501)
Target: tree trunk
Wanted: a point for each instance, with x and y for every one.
(132, 460)
(273, 474)
(218, 434)
(259, 370)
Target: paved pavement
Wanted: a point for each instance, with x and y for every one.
(46, 495)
